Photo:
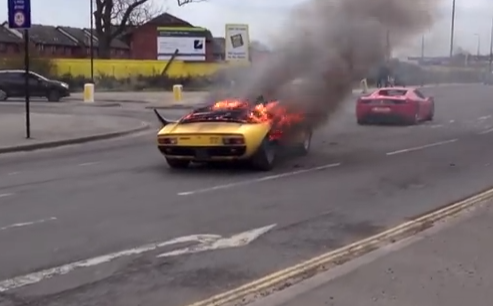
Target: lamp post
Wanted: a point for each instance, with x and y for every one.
(422, 48)
(452, 29)
(491, 49)
(388, 46)
(422, 58)
(91, 37)
(478, 48)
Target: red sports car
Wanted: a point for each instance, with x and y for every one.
(395, 105)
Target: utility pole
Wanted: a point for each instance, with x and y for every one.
(478, 51)
(452, 30)
(422, 58)
(422, 48)
(91, 36)
(491, 50)
(389, 49)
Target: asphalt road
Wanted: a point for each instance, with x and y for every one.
(441, 266)
(66, 205)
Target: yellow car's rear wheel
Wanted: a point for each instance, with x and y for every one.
(177, 163)
(304, 147)
(266, 156)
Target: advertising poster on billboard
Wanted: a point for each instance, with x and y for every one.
(237, 43)
(190, 43)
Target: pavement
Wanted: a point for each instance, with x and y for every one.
(146, 99)
(449, 265)
(153, 99)
(164, 99)
(51, 130)
(108, 223)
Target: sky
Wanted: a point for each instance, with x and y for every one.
(266, 19)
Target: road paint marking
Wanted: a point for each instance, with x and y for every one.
(435, 126)
(435, 144)
(484, 117)
(265, 286)
(4, 195)
(36, 277)
(258, 180)
(13, 173)
(23, 224)
(88, 164)
(486, 132)
(219, 243)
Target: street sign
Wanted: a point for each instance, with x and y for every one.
(19, 14)
(20, 18)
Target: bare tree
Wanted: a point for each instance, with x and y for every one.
(113, 17)
(183, 2)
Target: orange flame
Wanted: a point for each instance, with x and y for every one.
(271, 112)
(229, 104)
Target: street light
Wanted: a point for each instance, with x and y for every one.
(478, 50)
(491, 49)
(422, 48)
(91, 36)
(452, 29)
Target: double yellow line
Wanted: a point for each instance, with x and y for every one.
(268, 284)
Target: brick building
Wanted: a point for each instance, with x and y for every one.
(55, 42)
(9, 43)
(143, 40)
(49, 42)
(140, 43)
(82, 37)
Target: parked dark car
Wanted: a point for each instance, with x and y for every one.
(12, 86)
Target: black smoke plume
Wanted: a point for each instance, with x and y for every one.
(328, 47)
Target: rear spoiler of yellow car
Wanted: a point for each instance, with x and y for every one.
(161, 119)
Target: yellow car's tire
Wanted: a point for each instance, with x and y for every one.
(304, 147)
(266, 156)
(177, 163)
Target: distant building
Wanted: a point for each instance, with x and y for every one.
(55, 42)
(82, 37)
(9, 43)
(154, 40)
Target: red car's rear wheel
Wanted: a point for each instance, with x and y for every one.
(432, 112)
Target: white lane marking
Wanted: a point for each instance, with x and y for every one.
(36, 277)
(435, 126)
(484, 117)
(219, 243)
(422, 147)
(4, 195)
(22, 224)
(486, 132)
(88, 164)
(258, 180)
(451, 121)
(13, 173)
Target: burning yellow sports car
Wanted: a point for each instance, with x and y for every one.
(233, 130)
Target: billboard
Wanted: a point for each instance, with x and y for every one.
(237, 43)
(190, 43)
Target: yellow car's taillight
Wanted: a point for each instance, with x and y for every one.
(167, 140)
(233, 140)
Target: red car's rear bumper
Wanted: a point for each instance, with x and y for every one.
(385, 113)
